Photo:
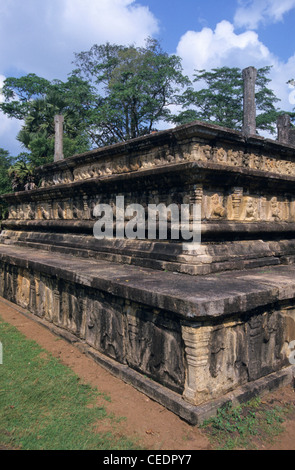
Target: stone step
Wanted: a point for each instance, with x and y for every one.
(192, 298)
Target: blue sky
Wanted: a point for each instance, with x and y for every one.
(41, 37)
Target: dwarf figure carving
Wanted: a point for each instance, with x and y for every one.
(275, 212)
(217, 208)
(250, 209)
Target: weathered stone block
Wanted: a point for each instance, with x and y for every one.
(199, 323)
(154, 346)
(105, 328)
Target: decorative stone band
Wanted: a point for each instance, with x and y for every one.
(199, 337)
(259, 197)
(189, 143)
(250, 209)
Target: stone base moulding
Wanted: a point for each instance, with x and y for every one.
(194, 415)
(197, 338)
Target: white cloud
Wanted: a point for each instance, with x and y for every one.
(119, 21)
(280, 74)
(251, 13)
(208, 49)
(42, 36)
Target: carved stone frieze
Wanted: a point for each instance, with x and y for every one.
(186, 152)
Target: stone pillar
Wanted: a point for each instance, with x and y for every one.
(86, 211)
(196, 197)
(237, 201)
(249, 121)
(197, 383)
(283, 126)
(58, 150)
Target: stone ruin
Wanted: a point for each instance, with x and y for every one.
(192, 329)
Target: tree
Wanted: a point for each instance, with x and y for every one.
(134, 88)
(221, 101)
(5, 163)
(21, 173)
(115, 93)
(5, 184)
(36, 101)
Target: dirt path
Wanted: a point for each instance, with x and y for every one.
(154, 426)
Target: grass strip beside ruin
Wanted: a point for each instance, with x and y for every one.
(247, 425)
(44, 405)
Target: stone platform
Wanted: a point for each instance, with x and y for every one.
(199, 337)
(188, 327)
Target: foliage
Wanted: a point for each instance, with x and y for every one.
(246, 425)
(22, 174)
(5, 163)
(116, 93)
(221, 100)
(5, 183)
(36, 101)
(134, 88)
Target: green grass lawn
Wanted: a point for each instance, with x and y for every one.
(45, 406)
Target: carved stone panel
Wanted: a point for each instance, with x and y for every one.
(154, 347)
(105, 329)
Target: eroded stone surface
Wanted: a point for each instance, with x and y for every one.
(201, 323)
(201, 338)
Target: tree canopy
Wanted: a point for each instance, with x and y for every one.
(221, 100)
(134, 88)
(36, 101)
(5, 163)
(5, 183)
(115, 93)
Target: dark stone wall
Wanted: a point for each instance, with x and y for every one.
(147, 340)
